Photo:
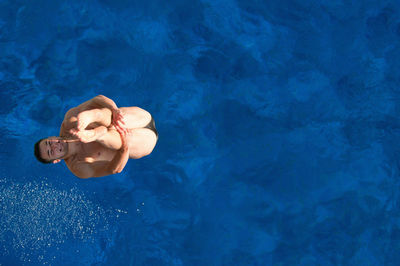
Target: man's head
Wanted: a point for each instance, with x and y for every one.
(50, 150)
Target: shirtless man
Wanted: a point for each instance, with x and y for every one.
(97, 138)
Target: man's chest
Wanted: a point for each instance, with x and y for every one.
(93, 151)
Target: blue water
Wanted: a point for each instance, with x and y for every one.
(279, 136)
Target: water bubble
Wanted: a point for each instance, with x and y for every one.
(36, 216)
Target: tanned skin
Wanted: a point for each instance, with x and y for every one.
(97, 138)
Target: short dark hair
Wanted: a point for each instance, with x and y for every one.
(37, 153)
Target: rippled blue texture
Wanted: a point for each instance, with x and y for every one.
(278, 130)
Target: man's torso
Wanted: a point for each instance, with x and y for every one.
(86, 152)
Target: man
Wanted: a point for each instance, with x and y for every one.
(97, 138)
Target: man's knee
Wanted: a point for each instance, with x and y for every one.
(103, 115)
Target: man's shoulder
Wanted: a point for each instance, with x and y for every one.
(71, 112)
(75, 166)
(69, 121)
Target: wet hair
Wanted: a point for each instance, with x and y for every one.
(37, 153)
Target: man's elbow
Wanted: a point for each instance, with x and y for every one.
(101, 97)
(83, 176)
(116, 171)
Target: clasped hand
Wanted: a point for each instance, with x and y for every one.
(124, 144)
(118, 121)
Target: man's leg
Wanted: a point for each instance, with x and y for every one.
(98, 116)
(141, 142)
(135, 117)
(111, 139)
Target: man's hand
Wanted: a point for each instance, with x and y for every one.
(124, 144)
(121, 157)
(118, 121)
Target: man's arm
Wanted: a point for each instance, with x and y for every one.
(70, 121)
(100, 101)
(117, 117)
(99, 110)
(110, 140)
(104, 102)
(83, 110)
(103, 168)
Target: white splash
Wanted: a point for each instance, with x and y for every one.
(37, 216)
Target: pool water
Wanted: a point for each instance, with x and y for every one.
(278, 131)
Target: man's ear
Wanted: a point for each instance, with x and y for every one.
(57, 161)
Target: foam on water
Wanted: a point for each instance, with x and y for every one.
(37, 219)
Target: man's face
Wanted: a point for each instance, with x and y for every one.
(53, 148)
